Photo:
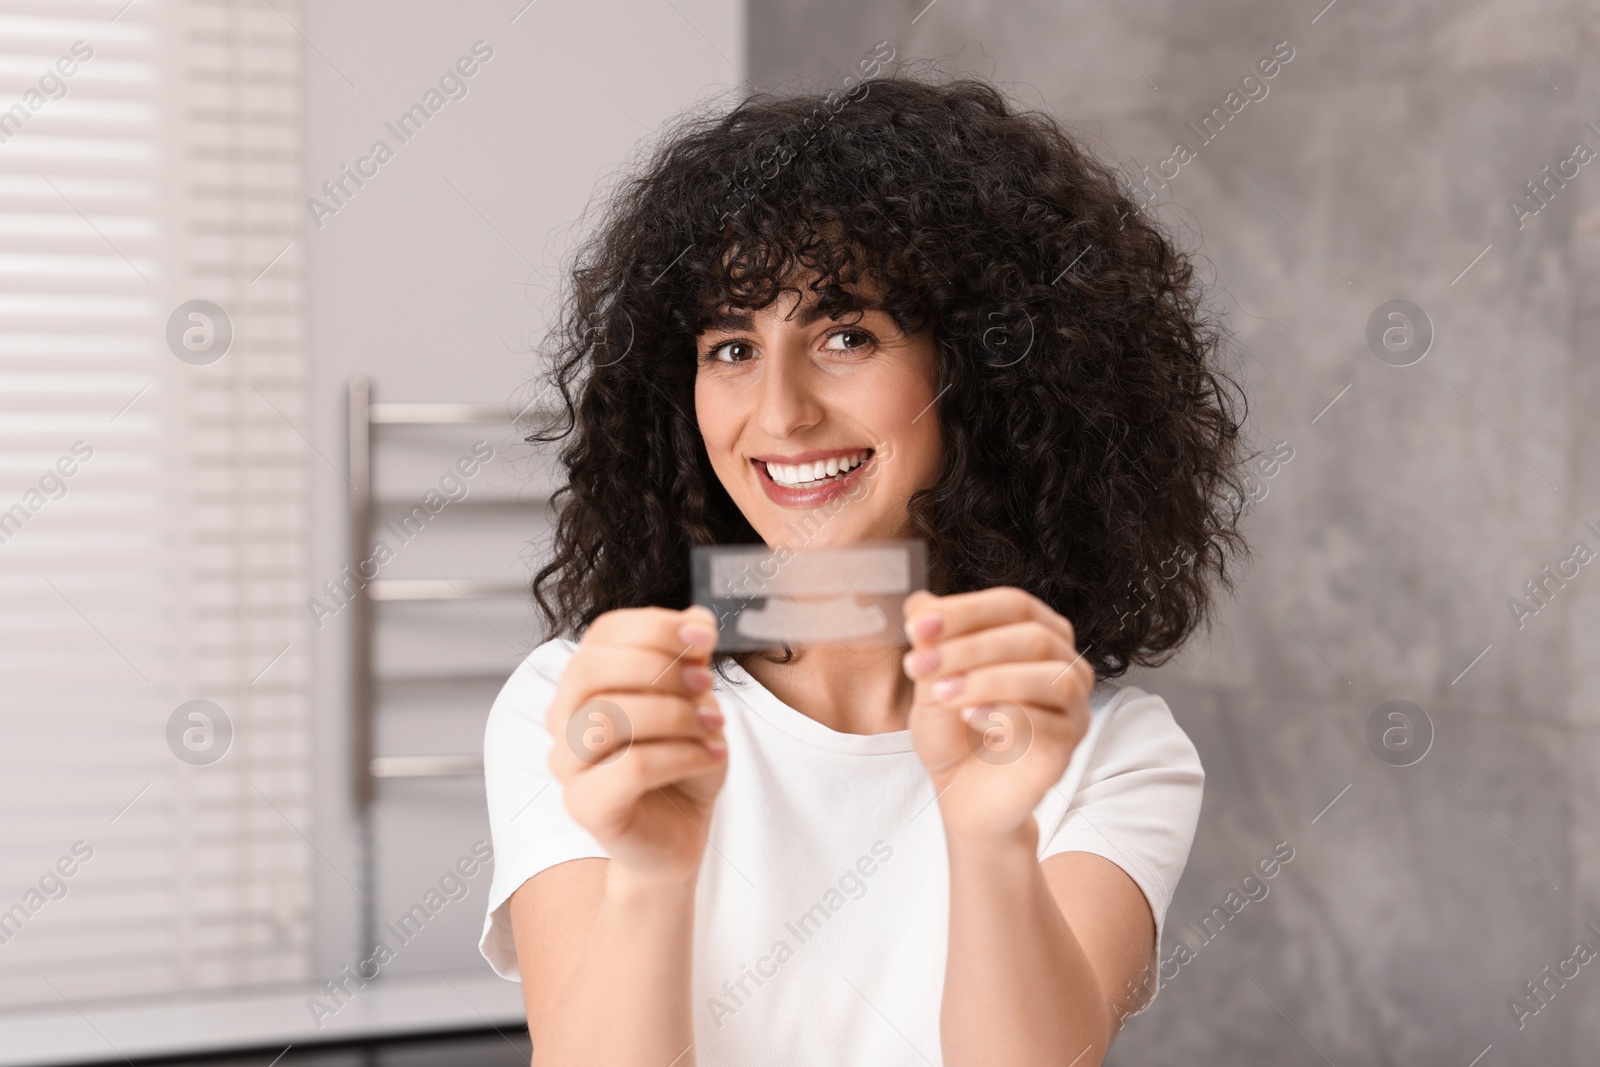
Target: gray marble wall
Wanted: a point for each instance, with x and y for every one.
(1419, 500)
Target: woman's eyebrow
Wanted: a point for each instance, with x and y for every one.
(741, 320)
(728, 320)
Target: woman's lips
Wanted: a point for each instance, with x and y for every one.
(814, 495)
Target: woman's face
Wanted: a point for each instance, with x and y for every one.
(782, 390)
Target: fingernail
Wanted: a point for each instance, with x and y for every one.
(949, 687)
(926, 626)
(922, 663)
(715, 746)
(972, 711)
(693, 633)
(696, 679)
(710, 719)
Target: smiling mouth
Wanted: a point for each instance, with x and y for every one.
(817, 473)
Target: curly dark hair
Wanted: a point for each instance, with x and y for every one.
(1092, 441)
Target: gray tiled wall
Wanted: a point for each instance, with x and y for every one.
(1379, 166)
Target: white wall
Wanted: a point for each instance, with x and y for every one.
(437, 298)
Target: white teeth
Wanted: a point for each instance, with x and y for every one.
(800, 475)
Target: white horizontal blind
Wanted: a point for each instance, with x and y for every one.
(170, 564)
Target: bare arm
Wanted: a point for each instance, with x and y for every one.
(1037, 953)
(605, 945)
(1041, 955)
(605, 958)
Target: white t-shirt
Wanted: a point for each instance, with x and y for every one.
(822, 907)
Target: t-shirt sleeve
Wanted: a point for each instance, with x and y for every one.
(1136, 803)
(528, 823)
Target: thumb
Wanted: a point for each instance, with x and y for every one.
(698, 630)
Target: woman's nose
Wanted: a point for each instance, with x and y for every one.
(789, 402)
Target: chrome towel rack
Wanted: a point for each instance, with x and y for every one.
(364, 415)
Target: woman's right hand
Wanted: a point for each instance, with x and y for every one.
(638, 746)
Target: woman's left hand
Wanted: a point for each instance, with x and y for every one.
(1001, 702)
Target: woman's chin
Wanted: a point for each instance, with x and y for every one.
(798, 534)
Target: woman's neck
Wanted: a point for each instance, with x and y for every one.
(847, 689)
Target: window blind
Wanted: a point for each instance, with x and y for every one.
(152, 516)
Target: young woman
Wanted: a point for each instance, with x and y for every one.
(906, 311)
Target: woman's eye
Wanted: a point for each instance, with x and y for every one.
(731, 352)
(844, 340)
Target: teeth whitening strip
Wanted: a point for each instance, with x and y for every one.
(764, 597)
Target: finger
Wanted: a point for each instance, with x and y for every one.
(1049, 684)
(694, 628)
(650, 765)
(919, 602)
(626, 669)
(1006, 731)
(935, 618)
(1020, 642)
(609, 722)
